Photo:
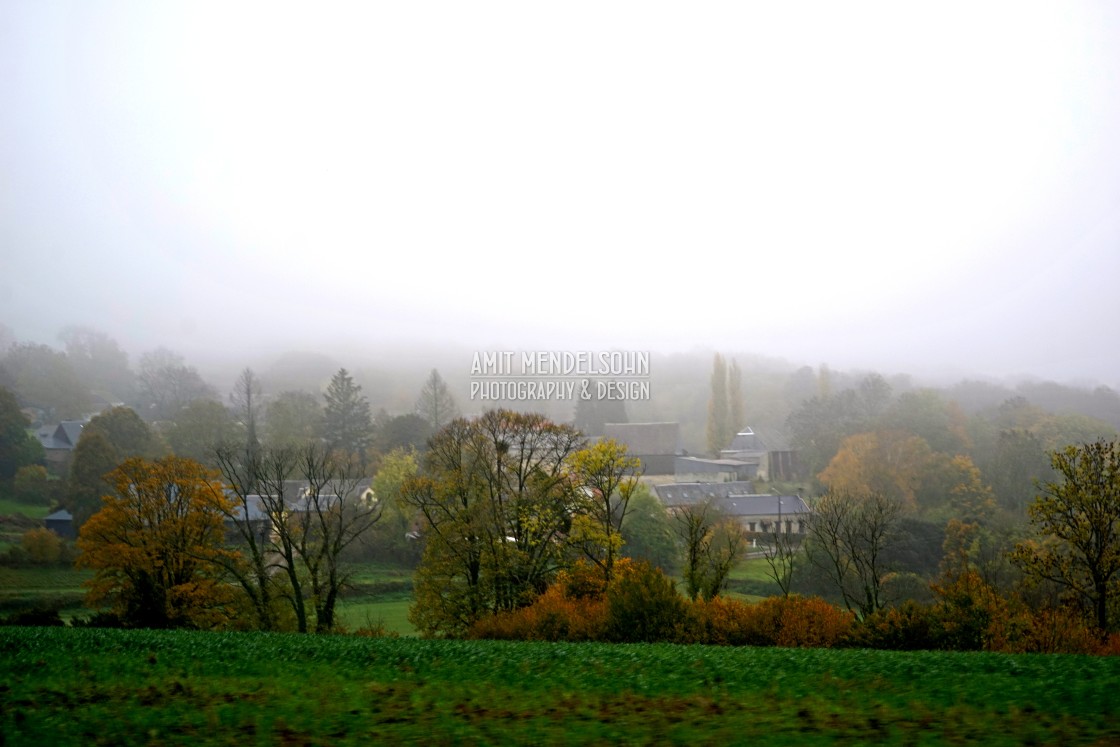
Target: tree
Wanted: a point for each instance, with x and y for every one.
(18, 448)
(293, 418)
(712, 545)
(44, 379)
(99, 362)
(893, 464)
(719, 426)
(165, 384)
(780, 553)
(394, 538)
(648, 531)
(106, 441)
(1077, 519)
(608, 476)
(848, 533)
(736, 410)
(436, 404)
(496, 501)
(199, 428)
(402, 432)
(299, 535)
(346, 420)
(154, 546)
(247, 399)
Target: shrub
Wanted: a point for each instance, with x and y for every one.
(42, 546)
(36, 616)
(1061, 631)
(908, 627)
(643, 605)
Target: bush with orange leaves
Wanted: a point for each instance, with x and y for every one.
(794, 622)
(573, 608)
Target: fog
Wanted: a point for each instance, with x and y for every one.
(930, 189)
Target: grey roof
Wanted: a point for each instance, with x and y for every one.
(764, 505)
(646, 438)
(747, 440)
(60, 515)
(687, 493)
(63, 436)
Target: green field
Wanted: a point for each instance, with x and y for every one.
(65, 686)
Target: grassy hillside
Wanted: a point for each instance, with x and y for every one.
(81, 686)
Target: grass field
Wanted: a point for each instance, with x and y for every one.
(68, 686)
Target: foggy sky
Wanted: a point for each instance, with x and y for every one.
(862, 184)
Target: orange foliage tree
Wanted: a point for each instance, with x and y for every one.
(154, 546)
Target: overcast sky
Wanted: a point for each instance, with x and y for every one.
(899, 186)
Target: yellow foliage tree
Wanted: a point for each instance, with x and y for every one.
(893, 464)
(155, 544)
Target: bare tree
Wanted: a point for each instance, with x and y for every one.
(295, 531)
(848, 533)
(780, 552)
(713, 544)
(436, 404)
(247, 398)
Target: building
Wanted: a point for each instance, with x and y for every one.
(655, 444)
(59, 442)
(759, 513)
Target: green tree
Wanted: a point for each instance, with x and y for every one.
(199, 428)
(736, 409)
(18, 448)
(293, 418)
(33, 487)
(394, 538)
(1077, 519)
(648, 531)
(436, 403)
(346, 420)
(106, 441)
(44, 379)
(495, 499)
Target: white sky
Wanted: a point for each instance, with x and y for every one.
(888, 185)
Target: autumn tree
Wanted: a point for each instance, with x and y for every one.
(346, 421)
(1077, 519)
(496, 502)
(436, 403)
(712, 544)
(892, 464)
(847, 536)
(154, 546)
(608, 477)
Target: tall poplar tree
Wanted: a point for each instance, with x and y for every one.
(717, 407)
